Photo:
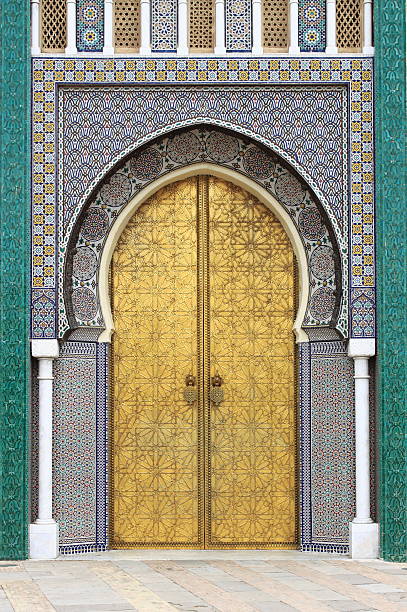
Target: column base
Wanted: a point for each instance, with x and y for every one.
(108, 51)
(364, 540)
(44, 540)
(331, 50)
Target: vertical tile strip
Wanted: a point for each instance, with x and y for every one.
(390, 132)
(14, 239)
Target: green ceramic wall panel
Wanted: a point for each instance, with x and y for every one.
(391, 207)
(14, 249)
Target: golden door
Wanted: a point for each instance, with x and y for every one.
(203, 427)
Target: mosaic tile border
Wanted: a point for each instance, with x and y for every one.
(355, 73)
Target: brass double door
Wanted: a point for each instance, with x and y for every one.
(203, 426)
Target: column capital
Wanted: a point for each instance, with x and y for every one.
(45, 349)
(361, 347)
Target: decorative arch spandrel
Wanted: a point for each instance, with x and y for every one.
(199, 151)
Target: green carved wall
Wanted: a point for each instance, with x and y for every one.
(14, 245)
(391, 213)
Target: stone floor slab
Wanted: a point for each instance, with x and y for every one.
(203, 581)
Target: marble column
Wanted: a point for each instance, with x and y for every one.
(257, 48)
(108, 44)
(364, 533)
(182, 48)
(70, 48)
(368, 27)
(43, 533)
(331, 27)
(35, 27)
(294, 46)
(220, 27)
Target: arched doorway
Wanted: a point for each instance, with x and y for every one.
(203, 424)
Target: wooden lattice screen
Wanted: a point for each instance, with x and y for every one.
(53, 25)
(275, 25)
(126, 25)
(201, 25)
(349, 25)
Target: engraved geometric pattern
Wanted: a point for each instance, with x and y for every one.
(348, 25)
(126, 25)
(181, 149)
(89, 25)
(164, 25)
(251, 437)
(155, 442)
(275, 24)
(311, 25)
(238, 30)
(201, 25)
(53, 25)
(202, 281)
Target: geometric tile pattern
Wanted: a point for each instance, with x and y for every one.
(79, 449)
(355, 74)
(89, 25)
(327, 445)
(164, 25)
(184, 148)
(122, 118)
(238, 17)
(311, 25)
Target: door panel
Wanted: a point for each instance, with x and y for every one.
(251, 494)
(156, 435)
(203, 282)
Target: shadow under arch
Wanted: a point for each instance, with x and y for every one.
(156, 165)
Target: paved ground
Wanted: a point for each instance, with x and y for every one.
(201, 581)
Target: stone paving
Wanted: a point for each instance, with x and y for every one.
(202, 581)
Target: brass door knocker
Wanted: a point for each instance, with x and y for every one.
(216, 394)
(190, 391)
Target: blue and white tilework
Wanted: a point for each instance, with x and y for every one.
(355, 75)
(238, 29)
(89, 25)
(311, 25)
(164, 25)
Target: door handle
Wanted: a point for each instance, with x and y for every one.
(190, 391)
(216, 392)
